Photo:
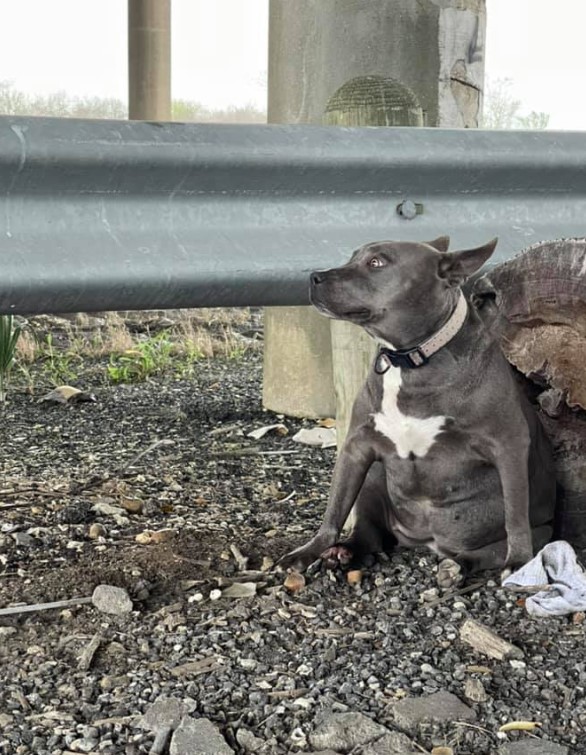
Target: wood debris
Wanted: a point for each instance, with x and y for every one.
(485, 641)
(474, 690)
(87, 655)
(15, 610)
(240, 590)
(241, 560)
(148, 537)
(195, 668)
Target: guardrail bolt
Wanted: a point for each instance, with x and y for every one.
(408, 209)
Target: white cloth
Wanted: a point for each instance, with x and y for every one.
(554, 565)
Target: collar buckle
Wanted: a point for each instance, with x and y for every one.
(406, 358)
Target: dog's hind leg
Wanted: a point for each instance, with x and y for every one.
(451, 572)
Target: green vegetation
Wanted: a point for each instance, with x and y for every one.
(109, 350)
(59, 365)
(145, 359)
(62, 105)
(9, 335)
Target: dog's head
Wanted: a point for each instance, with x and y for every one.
(397, 290)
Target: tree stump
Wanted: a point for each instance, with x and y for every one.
(540, 297)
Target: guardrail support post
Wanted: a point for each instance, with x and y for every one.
(149, 60)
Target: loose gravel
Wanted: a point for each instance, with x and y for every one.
(156, 489)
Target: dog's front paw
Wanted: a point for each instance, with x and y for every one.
(337, 555)
(302, 557)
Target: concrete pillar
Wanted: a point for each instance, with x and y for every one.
(435, 48)
(363, 101)
(149, 60)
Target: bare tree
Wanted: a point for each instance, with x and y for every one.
(502, 111)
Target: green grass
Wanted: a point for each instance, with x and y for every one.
(9, 335)
(59, 365)
(139, 363)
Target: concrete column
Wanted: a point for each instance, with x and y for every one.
(149, 60)
(363, 101)
(435, 48)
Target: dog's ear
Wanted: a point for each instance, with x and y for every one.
(455, 267)
(441, 244)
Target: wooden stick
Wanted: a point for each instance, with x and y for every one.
(96, 480)
(529, 588)
(486, 641)
(455, 593)
(87, 654)
(15, 610)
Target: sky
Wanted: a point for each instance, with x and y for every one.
(79, 46)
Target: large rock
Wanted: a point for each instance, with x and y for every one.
(114, 600)
(248, 741)
(441, 707)
(165, 713)
(198, 736)
(344, 731)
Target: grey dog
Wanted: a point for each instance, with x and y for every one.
(443, 448)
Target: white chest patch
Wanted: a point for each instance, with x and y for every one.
(411, 435)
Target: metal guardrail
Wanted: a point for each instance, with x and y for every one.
(105, 215)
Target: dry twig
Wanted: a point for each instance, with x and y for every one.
(15, 610)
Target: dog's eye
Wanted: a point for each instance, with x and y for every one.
(375, 262)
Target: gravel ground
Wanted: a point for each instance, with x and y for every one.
(275, 671)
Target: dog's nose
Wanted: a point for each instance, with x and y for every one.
(316, 278)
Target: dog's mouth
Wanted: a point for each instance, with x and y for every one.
(358, 315)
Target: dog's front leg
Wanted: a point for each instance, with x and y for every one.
(351, 468)
(512, 463)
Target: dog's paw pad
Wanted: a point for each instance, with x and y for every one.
(337, 555)
(449, 574)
